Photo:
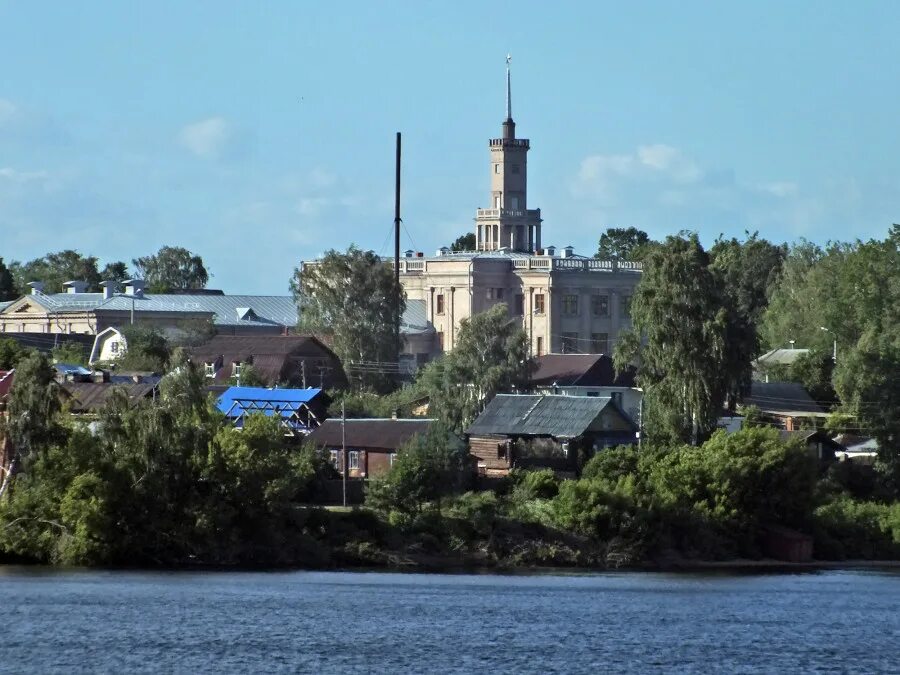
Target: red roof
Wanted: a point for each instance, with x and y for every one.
(579, 370)
(6, 380)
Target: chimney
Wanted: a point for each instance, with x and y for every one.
(109, 289)
(135, 288)
(419, 254)
(37, 287)
(408, 254)
(75, 286)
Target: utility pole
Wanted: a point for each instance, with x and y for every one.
(397, 221)
(303, 373)
(344, 452)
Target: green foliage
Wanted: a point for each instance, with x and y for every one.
(115, 271)
(465, 242)
(619, 243)
(679, 309)
(8, 290)
(429, 467)
(73, 353)
(490, 356)
(846, 528)
(369, 404)
(541, 484)
(250, 377)
(10, 353)
(352, 300)
(54, 269)
(171, 268)
(194, 332)
(148, 349)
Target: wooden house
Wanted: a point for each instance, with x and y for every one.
(546, 431)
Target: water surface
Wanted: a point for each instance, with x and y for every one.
(329, 622)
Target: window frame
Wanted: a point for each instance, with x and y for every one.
(596, 305)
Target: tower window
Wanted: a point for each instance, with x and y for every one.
(496, 168)
(515, 203)
(496, 201)
(440, 304)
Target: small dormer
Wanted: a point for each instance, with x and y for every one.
(134, 288)
(109, 289)
(37, 287)
(210, 368)
(73, 287)
(551, 251)
(568, 251)
(246, 314)
(409, 253)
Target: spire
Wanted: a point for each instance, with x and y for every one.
(508, 90)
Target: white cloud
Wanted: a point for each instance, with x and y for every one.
(7, 110)
(207, 138)
(15, 176)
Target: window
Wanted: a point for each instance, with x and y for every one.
(209, 369)
(114, 346)
(353, 458)
(539, 303)
(600, 343)
(440, 304)
(625, 306)
(570, 343)
(496, 201)
(519, 305)
(335, 458)
(515, 168)
(236, 369)
(600, 305)
(570, 304)
(514, 203)
(391, 457)
(496, 168)
(499, 294)
(440, 339)
(539, 350)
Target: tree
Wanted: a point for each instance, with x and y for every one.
(32, 423)
(619, 243)
(73, 353)
(465, 242)
(147, 350)
(115, 271)
(171, 268)
(54, 269)
(352, 300)
(430, 466)
(745, 271)
(678, 310)
(490, 356)
(10, 353)
(8, 290)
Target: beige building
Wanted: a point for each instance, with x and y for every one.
(567, 303)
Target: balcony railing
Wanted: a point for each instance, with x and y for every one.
(493, 214)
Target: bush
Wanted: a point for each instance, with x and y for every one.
(855, 529)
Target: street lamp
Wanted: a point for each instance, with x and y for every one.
(834, 344)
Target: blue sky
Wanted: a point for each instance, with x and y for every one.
(261, 134)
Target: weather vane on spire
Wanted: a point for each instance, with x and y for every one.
(508, 89)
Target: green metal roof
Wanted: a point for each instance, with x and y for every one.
(534, 415)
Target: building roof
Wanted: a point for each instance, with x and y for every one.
(71, 369)
(540, 415)
(91, 397)
(237, 401)
(782, 398)
(779, 357)
(383, 434)
(581, 370)
(226, 310)
(270, 355)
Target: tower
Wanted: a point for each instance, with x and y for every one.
(508, 223)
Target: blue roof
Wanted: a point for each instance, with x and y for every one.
(71, 369)
(237, 401)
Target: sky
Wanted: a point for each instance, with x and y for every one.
(262, 134)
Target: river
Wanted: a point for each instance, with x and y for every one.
(334, 622)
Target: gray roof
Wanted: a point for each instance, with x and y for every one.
(4, 305)
(535, 415)
(227, 310)
(786, 398)
(779, 357)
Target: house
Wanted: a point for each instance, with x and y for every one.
(300, 410)
(78, 311)
(542, 430)
(109, 344)
(588, 375)
(89, 398)
(786, 404)
(858, 449)
(775, 359)
(293, 360)
(372, 444)
(817, 443)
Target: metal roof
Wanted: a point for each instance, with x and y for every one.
(779, 357)
(786, 398)
(582, 370)
(415, 319)
(227, 310)
(237, 401)
(88, 397)
(536, 415)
